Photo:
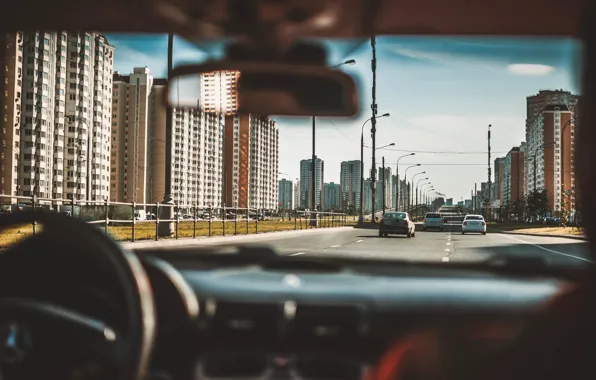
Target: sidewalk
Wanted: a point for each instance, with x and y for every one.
(559, 232)
(230, 239)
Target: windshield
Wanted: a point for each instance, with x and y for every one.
(461, 126)
(474, 217)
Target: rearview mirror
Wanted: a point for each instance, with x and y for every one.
(263, 88)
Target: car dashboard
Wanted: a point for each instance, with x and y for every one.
(310, 320)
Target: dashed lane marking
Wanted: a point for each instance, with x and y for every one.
(297, 253)
(445, 259)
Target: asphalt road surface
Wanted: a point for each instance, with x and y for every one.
(435, 246)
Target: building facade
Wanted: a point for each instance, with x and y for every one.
(332, 197)
(350, 177)
(60, 104)
(550, 158)
(514, 175)
(306, 179)
(285, 199)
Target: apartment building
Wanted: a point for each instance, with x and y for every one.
(139, 146)
(60, 87)
(251, 162)
(219, 93)
(331, 197)
(297, 194)
(497, 187)
(383, 188)
(11, 81)
(285, 201)
(513, 175)
(306, 180)
(549, 163)
(350, 177)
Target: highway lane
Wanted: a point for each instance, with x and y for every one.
(448, 246)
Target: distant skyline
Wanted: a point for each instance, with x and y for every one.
(442, 94)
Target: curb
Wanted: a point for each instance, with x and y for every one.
(572, 237)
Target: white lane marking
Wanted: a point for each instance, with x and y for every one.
(297, 253)
(447, 250)
(359, 241)
(335, 246)
(548, 250)
(445, 259)
(448, 243)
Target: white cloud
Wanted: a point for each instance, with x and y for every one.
(444, 58)
(530, 69)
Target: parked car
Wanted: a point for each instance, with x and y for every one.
(397, 223)
(433, 220)
(473, 223)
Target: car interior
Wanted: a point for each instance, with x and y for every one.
(75, 304)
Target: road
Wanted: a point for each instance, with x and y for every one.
(447, 246)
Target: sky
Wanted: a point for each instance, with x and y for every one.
(441, 93)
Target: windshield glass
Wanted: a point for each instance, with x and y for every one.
(461, 125)
(474, 217)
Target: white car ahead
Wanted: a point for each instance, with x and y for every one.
(473, 223)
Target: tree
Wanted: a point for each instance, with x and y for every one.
(537, 203)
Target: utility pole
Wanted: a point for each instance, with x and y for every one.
(167, 207)
(373, 106)
(489, 177)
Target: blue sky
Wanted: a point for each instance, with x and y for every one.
(442, 93)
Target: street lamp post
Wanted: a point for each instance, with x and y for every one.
(361, 217)
(422, 179)
(412, 187)
(422, 194)
(398, 181)
(166, 228)
(409, 188)
(314, 158)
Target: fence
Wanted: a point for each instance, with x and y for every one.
(141, 221)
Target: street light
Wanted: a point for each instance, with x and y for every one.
(314, 157)
(422, 197)
(361, 217)
(397, 178)
(422, 179)
(409, 188)
(412, 187)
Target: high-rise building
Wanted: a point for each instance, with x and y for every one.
(218, 92)
(535, 104)
(306, 180)
(331, 197)
(350, 177)
(139, 145)
(251, 162)
(285, 194)
(383, 188)
(513, 175)
(62, 141)
(297, 194)
(549, 161)
(11, 92)
(497, 187)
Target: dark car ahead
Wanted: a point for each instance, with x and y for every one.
(397, 223)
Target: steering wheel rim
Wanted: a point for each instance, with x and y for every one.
(129, 271)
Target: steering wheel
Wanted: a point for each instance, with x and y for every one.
(61, 336)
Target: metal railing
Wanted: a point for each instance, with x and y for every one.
(131, 221)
